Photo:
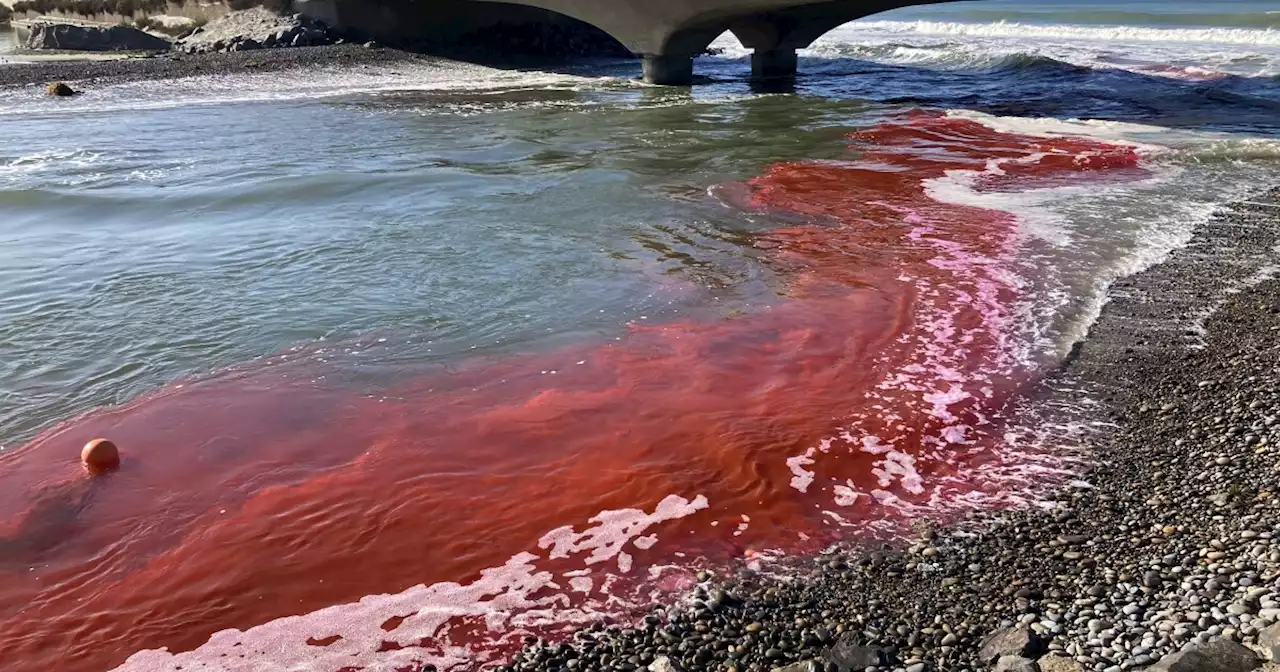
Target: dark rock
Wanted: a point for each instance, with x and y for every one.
(1219, 655)
(1010, 642)
(314, 37)
(848, 656)
(84, 38)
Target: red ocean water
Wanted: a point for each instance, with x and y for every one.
(263, 520)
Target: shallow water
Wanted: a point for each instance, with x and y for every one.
(8, 39)
(541, 344)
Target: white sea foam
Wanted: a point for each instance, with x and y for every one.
(1178, 53)
(614, 529)
(1139, 136)
(801, 477)
(1268, 271)
(1073, 247)
(507, 600)
(440, 76)
(1005, 29)
(69, 166)
(1189, 198)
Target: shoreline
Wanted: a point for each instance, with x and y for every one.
(107, 68)
(174, 65)
(1173, 546)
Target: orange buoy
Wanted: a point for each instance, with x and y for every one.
(100, 455)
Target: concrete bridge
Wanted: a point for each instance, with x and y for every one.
(667, 34)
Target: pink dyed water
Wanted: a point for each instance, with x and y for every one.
(441, 521)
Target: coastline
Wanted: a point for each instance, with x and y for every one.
(1170, 544)
(1141, 335)
(175, 65)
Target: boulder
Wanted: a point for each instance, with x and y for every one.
(310, 37)
(1054, 663)
(1219, 655)
(1015, 664)
(70, 37)
(848, 656)
(1269, 642)
(1020, 642)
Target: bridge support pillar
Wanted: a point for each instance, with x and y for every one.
(773, 63)
(668, 69)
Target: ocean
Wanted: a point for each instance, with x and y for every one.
(408, 362)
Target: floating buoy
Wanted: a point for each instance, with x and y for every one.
(99, 456)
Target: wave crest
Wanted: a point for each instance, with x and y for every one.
(1246, 36)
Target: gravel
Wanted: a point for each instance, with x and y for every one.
(88, 73)
(1170, 560)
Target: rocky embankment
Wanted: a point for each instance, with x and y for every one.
(261, 28)
(245, 30)
(256, 28)
(1169, 560)
(71, 37)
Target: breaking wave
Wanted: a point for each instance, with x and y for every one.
(1242, 36)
